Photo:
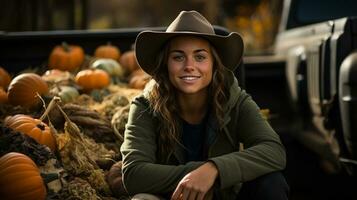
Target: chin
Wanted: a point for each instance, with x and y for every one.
(190, 90)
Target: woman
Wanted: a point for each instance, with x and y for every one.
(193, 133)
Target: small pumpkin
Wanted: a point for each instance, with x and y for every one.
(107, 51)
(90, 79)
(138, 79)
(128, 61)
(20, 178)
(112, 67)
(5, 78)
(32, 127)
(66, 93)
(23, 89)
(3, 96)
(66, 57)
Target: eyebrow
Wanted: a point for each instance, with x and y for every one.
(195, 51)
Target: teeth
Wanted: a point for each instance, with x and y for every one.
(189, 78)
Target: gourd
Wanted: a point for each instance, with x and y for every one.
(66, 57)
(107, 51)
(5, 78)
(23, 89)
(20, 178)
(90, 79)
(112, 67)
(32, 127)
(66, 93)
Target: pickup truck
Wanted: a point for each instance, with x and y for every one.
(313, 64)
(308, 82)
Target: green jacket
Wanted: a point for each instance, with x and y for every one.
(244, 124)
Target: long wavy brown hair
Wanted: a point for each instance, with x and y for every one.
(163, 102)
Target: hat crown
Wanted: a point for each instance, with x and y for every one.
(190, 21)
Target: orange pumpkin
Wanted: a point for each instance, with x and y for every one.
(23, 88)
(3, 96)
(90, 79)
(32, 127)
(107, 51)
(66, 57)
(128, 61)
(4, 78)
(20, 178)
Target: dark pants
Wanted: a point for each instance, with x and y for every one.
(271, 186)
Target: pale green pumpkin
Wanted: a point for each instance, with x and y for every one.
(112, 67)
(66, 93)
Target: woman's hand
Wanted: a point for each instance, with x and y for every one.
(197, 184)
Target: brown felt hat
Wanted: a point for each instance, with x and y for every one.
(149, 43)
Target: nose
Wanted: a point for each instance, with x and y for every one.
(189, 64)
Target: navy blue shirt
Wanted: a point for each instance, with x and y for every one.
(193, 138)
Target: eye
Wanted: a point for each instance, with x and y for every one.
(200, 57)
(177, 57)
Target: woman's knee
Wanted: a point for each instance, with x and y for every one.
(274, 182)
(269, 186)
(146, 196)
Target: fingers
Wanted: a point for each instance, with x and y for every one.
(192, 195)
(200, 196)
(207, 196)
(177, 192)
(187, 192)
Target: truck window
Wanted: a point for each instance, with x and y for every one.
(309, 12)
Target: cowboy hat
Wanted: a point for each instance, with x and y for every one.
(149, 43)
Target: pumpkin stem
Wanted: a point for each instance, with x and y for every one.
(66, 47)
(109, 43)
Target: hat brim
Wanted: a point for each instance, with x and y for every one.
(149, 43)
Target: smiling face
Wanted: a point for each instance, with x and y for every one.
(190, 64)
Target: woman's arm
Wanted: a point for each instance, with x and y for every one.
(140, 171)
(263, 151)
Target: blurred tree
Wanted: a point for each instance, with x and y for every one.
(42, 15)
(138, 13)
(230, 6)
(257, 21)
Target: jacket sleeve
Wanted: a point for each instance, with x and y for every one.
(263, 151)
(140, 171)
